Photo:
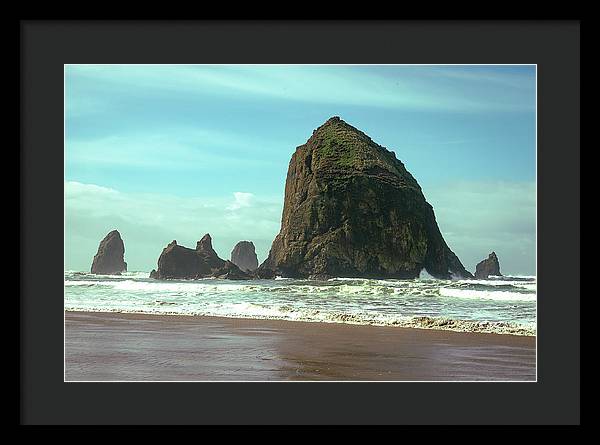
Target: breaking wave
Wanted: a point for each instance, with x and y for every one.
(499, 295)
(506, 305)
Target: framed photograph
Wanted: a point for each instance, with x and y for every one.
(246, 225)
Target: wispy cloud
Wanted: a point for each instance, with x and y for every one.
(169, 148)
(474, 217)
(148, 222)
(479, 217)
(487, 75)
(242, 199)
(407, 88)
(211, 145)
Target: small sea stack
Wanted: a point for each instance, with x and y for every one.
(179, 262)
(487, 267)
(243, 256)
(109, 260)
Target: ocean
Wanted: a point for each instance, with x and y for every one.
(504, 305)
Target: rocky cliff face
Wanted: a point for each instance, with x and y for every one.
(109, 258)
(487, 267)
(243, 255)
(352, 209)
(178, 262)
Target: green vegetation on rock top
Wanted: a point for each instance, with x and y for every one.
(339, 145)
(342, 145)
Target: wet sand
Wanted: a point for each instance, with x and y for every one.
(136, 347)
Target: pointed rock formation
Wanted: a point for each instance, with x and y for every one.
(487, 267)
(178, 262)
(352, 209)
(243, 255)
(207, 254)
(109, 258)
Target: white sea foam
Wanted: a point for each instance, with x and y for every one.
(500, 305)
(444, 323)
(532, 287)
(342, 279)
(254, 311)
(137, 274)
(424, 275)
(486, 295)
(501, 283)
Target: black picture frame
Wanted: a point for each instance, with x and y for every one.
(45, 46)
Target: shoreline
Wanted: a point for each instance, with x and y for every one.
(435, 322)
(113, 346)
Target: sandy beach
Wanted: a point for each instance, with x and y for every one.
(139, 347)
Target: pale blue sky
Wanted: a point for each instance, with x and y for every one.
(164, 152)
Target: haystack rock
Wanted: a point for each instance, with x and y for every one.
(109, 258)
(243, 255)
(352, 209)
(178, 262)
(487, 267)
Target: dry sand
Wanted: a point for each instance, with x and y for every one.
(136, 347)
